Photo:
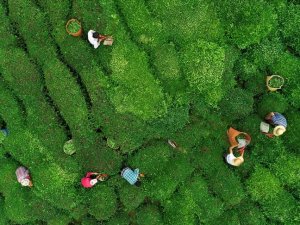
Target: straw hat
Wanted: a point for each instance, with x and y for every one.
(279, 130)
(93, 181)
(25, 182)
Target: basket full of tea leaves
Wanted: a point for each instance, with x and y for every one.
(274, 82)
(74, 28)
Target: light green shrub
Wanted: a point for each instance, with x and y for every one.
(135, 83)
(203, 64)
(284, 208)
(287, 169)
(263, 185)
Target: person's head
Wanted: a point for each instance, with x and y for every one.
(279, 130)
(93, 181)
(141, 175)
(238, 161)
(138, 183)
(96, 35)
(26, 182)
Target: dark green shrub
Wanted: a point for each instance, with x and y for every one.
(60, 81)
(237, 104)
(152, 159)
(131, 196)
(7, 39)
(228, 218)
(29, 20)
(266, 150)
(250, 214)
(250, 76)
(180, 210)
(162, 186)
(102, 202)
(272, 102)
(118, 219)
(208, 206)
(186, 21)
(56, 10)
(290, 29)
(90, 14)
(246, 22)
(293, 129)
(263, 185)
(166, 63)
(10, 110)
(149, 214)
(203, 64)
(3, 218)
(147, 29)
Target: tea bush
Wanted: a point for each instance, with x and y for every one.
(242, 21)
(178, 70)
(266, 105)
(203, 64)
(149, 214)
(262, 185)
(237, 104)
(290, 31)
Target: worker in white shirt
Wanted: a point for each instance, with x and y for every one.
(95, 39)
(232, 160)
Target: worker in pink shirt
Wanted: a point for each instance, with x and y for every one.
(23, 176)
(91, 179)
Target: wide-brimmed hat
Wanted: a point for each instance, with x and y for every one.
(25, 182)
(279, 130)
(93, 181)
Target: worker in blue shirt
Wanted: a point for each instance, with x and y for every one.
(4, 131)
(278, 121)
(133, 177)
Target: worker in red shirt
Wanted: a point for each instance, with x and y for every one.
(91, 179)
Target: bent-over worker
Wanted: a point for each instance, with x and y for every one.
(23, 176)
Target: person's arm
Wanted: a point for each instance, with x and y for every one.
(88, 174)
(231, 149)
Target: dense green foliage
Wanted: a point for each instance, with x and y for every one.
(182, 70)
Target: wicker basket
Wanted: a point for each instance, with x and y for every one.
(273, 88)
(78, 33)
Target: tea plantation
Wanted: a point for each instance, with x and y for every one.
(183, 70)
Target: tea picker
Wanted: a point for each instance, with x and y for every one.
(95, 39)
(23, 176)
(237, 140)
(232, 160)
(3, 133)
(275, 121)
(92, 179)
(133, 177)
